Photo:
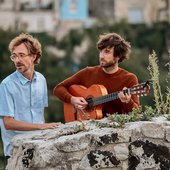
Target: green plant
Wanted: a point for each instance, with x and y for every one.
(162, 103)
(108, 124)
(168, 117)
(167, 102)
(154, 72)
(121, 119)
(148, 113)
(135, 115)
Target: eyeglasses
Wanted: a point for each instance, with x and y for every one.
(20, 56)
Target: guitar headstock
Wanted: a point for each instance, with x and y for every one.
(141, 89)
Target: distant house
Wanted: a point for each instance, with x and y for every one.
(145, 11)
(63, 15)
(72, 14)
(73, 10)
(31, 16)
(102, 9)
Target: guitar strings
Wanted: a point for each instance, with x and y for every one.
(108, 98)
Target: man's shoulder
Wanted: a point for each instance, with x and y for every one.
(39, 75)
(126, 73)
(9, 78)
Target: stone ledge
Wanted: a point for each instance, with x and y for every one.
(85, 146)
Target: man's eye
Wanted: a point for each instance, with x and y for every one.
(21, 55)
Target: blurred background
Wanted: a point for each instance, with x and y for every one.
(69, 29)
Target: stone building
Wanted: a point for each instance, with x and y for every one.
(146, 11)
(62, 15)
(32, 16)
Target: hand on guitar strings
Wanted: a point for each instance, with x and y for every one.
(79, 102)
(124, 97)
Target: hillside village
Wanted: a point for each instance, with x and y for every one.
(59, 16)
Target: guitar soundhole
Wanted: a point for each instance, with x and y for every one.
(89, 107)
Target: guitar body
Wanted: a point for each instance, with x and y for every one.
(73, 114)
(96, 95)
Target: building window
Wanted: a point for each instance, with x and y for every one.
(73, 6)
(135, 16)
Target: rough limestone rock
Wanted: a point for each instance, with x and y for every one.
(93, 145)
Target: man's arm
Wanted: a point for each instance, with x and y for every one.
(61, 90)
(11, 124)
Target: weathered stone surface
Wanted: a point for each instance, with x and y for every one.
(121, 151)
(153, 130)
(150, 155)
(87, 146)
(167, 133)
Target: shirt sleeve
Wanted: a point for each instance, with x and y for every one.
(61, 90)
(6, 101)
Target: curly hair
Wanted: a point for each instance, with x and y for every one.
(121, 47)
(31, 43)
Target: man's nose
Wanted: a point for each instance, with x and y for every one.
(17, 59)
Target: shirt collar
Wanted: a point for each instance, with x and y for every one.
(23, 79)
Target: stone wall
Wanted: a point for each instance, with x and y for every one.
(92, 145)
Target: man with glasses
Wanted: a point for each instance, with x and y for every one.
(23, 93)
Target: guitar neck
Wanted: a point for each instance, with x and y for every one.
(106, 98)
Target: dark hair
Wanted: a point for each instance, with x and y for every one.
(122, 48)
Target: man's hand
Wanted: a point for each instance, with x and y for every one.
(48, 125)
(124, 97)
(79, 102)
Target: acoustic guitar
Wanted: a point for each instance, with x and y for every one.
(96, 95)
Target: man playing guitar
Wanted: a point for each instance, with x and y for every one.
(113, 49)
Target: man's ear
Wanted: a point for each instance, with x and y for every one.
(34, 57)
